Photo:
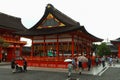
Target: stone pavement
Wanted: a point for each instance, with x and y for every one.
(95, 70)
(96, 73)
(4, 63)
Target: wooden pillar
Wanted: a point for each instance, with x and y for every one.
(80, 47)
(72, 45)
(119, 50)
(88, 48)
(21, 46)
(62, 49)
(13, 54)
(88, 51)
(44, 47)
(32, 48)
(57, 46)
(0, 53)
(77, 46)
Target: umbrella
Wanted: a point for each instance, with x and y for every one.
(68, 60)
(82, 59)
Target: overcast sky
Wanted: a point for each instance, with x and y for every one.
(101, 18)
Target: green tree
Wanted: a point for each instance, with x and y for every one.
(94, 47)
(103, 49)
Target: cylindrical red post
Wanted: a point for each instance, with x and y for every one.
(118, 50)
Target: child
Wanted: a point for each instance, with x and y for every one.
(70, 67)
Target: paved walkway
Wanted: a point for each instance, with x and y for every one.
(4, 63)
(94, 70)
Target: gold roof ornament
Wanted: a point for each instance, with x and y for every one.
(49, 16)
(48, 6)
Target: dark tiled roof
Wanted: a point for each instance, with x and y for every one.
(57, 14)
(48, 31)
(96, 39)
(70, 25)
(115, 41)
(11, 22)
(112, 47)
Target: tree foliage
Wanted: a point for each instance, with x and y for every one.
(94, 47)
(103, 49)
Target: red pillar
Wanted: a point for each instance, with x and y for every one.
(21, 46)
(77, 49)
(32, 49)
(0, 53)
(44, 47)
(57, 47)
(72, 46)
(13, 54)
(119, 50)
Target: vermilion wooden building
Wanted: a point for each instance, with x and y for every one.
(117, 43)
(8, 26)
(56, 37)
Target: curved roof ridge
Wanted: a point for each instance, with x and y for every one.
(70, 25)
(50, 6)
(115, 40)
(10, 15)
(58, 15)
(96, 38)
(11, 22)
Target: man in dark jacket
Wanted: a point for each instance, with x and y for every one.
(25, 65)
(89, 63)
(13, 65)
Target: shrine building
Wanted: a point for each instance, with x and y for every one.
(116, 43)
(10, 44)
(56, 37)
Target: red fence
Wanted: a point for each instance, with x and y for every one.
(50, 62)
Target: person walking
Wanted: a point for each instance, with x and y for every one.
(97, 61)
(79, 63)
(89, 63)
(110, 61)
(70, 68)
(13, 65)
(74, 64)
(103, 61)
(25, 65)
(117, 59)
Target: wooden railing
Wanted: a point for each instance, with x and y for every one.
(50, 62)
